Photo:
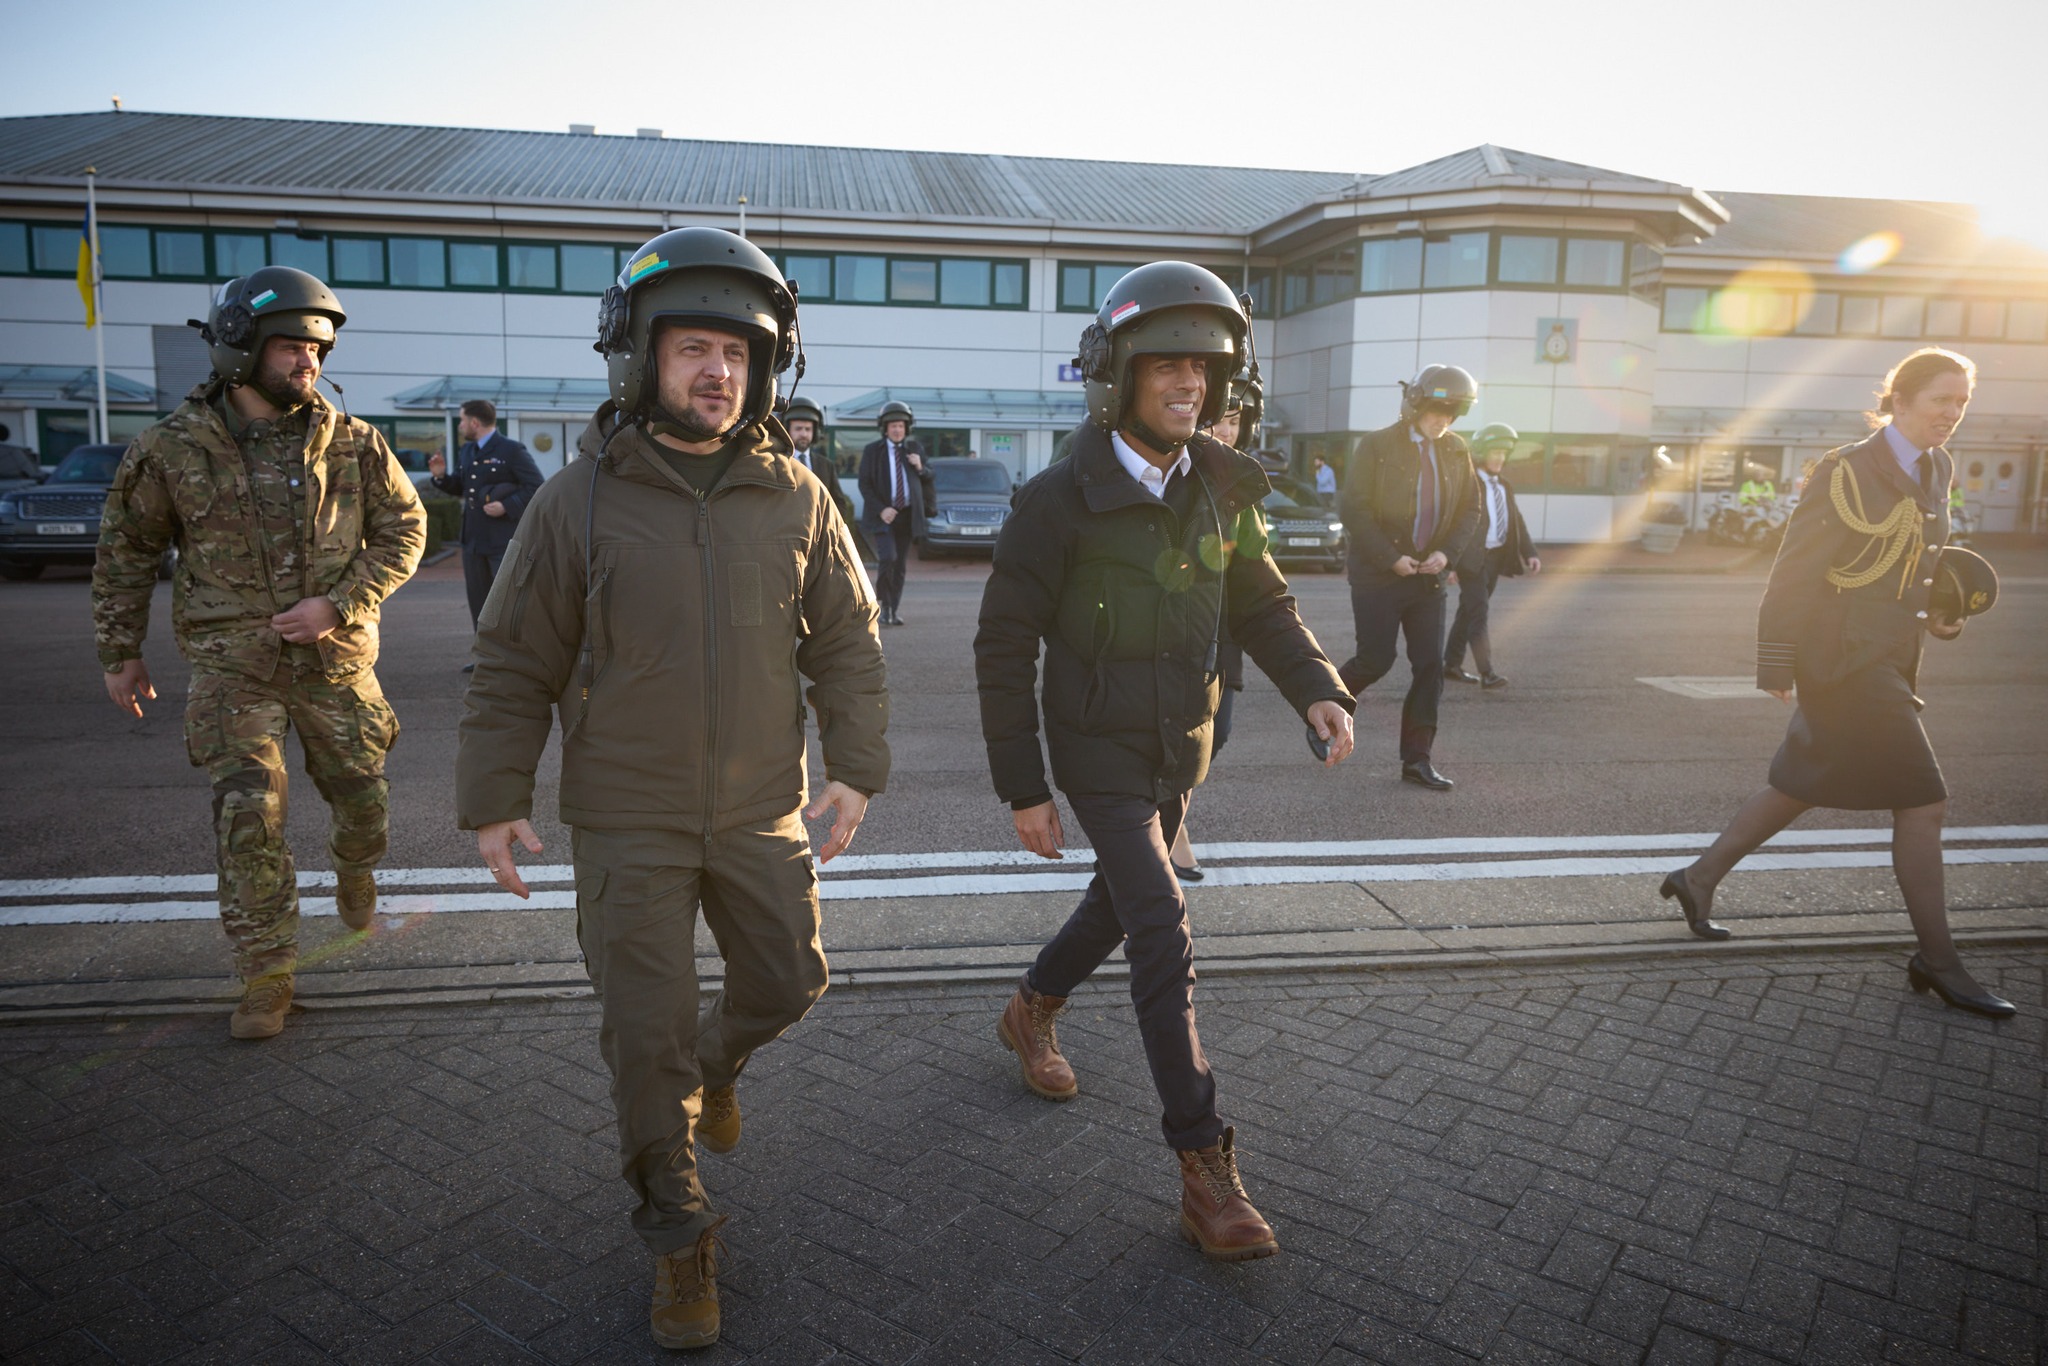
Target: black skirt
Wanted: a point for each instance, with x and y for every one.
(1858, 745)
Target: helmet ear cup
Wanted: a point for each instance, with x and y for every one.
(235, 326)
(611, 321)
(1095, 353)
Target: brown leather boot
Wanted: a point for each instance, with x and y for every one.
(262, 1011)
(718, 1127)
(355, 896)
(684, 1312)
(1215, 1213)
(1026, 1029)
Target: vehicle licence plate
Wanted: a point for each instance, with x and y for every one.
(1301, 540)
(977, 531)
(60, 528)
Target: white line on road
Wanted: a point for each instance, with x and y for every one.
(542, 874)
(954, 885)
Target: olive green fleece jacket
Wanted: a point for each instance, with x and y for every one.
(698, 615)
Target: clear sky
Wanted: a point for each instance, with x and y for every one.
(1886, 98)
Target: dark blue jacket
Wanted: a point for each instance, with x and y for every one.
(502, 473)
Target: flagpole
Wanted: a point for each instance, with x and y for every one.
(99, 298)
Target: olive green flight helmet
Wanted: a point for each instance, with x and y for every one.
(896, 410)
(1168, 308)
(1495, 436)
(1449, 387)
(276, 301)
(803, 410)
(1248, 401)
(707, 276)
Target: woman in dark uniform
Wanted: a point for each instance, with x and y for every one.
(1845, 617)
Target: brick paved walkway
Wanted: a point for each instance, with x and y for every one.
(1684, 1161)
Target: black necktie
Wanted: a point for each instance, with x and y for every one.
(1927, 476)
(902, 489)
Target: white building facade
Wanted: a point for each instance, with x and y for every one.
(1607, 316)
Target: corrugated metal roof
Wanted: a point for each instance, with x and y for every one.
(198, 151)
(1806, 225)
(1489, 162)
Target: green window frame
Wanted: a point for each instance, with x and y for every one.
(1390, 265)
(239, 253)
(588, 267)
(914, 280)
(124, 252)
(1596, 264)
(13, 249)
(416, 263)
(358, 260)
(532, 268)
(1526, 259)
(1099, 278)
(469, 257)
(305, 251)
(53, 247)
(1455, 260)
(812, 271)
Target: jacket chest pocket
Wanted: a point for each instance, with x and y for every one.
(758, 586)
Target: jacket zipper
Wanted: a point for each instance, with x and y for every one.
(711, 660)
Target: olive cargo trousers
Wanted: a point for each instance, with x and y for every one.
(637, 897)
(235, 729)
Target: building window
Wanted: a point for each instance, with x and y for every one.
(1987, 318)
(1294, 286)
(812, 274)
(1945, 317)
(1336, 275)
(529, 266)
(861, 279)
(236, 254)
(1455, 261)
(56, 247)
(306, 252)
(1526, 260)
(965, 283)
(1578, 469)
(1817, 314)
(416, 262)
(1903, 314)
(473, 265)
(1390, 265)
(1260, 287)
(13, 248)
(1084, 285)
(588, 268)
(1859, 315)
(1011, 287)
(181, 255)
(359, 260)
(1645, 270)
(2026, 320)
(1594, 262)
(913, 282)
(124, 252)
(1685, 308)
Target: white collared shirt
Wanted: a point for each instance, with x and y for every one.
(1150, 477)
(1903, 451)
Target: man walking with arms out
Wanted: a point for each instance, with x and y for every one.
(668, 594)
(293, 523)
(1115, 561)
(495, 478)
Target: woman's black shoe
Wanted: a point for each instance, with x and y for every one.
(1675, 886)
(1188, 874)
(1458, 675)
(1971, 997)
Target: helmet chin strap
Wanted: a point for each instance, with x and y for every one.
(1151, 437)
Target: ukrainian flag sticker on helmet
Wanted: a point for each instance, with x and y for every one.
(649, 262)
(1126, 311)
(1439, 392)
(261, 299)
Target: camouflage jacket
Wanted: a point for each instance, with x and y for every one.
(184, 482)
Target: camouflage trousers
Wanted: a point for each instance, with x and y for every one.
(235, 730)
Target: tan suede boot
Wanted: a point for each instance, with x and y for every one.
(718, 1127)
(262, 1011)
(355, 896)
(684, 1312)
(1215, 1213)
(1026, 1029)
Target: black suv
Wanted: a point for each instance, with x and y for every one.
(1303, 529)
(973, 498)
(58, 520)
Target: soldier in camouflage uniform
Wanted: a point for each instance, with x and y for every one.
(293, 523)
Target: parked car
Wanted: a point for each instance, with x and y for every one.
(1304, 531)
(58, 520)
(974, 500)
(415, 465)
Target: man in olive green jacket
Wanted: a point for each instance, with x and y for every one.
(293, 523)
(667, 595)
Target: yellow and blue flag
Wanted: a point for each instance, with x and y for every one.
(85, 290)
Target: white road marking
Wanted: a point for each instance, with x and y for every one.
(543, 874)
(989, 884)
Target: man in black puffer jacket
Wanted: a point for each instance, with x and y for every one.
(1115, 560)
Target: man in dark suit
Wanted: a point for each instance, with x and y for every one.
(494, 477)
(1408, 512)
(896, 489)
(1500, 548)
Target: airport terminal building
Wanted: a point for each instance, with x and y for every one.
(1606, 314)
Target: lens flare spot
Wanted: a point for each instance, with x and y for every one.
(1868, 253)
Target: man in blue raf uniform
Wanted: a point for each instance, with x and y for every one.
(494, 477)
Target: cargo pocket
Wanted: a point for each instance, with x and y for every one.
(376, 722)
(744, 587)
(589, 896)
(205, 738)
